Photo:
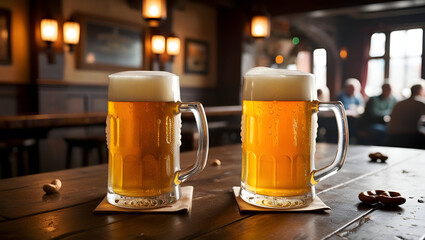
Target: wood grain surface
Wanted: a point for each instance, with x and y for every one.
(26, 213)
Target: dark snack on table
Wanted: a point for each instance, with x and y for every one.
(375, 156)
(389, 198)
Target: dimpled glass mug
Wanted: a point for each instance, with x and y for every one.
(279, 126)
(143, 136)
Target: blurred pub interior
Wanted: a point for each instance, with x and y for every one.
(335, 40)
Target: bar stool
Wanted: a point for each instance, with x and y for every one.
(87, 144)
(22, 149)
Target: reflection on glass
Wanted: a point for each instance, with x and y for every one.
(414, 42)
(397, 74)
(377, 45)
(405, 58)
(319, 68)
(413, 70)
(375, 76)
(406, 43)
(397, 43)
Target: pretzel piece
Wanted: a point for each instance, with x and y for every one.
(389, 198)
(377, 155)
(370, 196)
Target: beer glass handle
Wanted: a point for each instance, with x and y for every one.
(338, 162)
(201, 156)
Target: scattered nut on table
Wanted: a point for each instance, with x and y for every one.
(375, 156)
(53, 187)
(216, 162)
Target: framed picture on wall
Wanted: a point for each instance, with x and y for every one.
(5, 51)
(196, 57)
(108, 44)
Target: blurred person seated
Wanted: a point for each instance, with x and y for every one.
(351, 97)
(373, 123)
(353, 103)
(323, 94)
(404, 129)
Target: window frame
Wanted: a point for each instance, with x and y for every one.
(386, 57)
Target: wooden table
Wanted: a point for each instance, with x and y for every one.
(26, 213)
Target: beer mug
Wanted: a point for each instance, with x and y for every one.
(279, 127)
(143, 136)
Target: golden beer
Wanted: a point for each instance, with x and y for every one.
(279, 127)
(143, 136)
(144, 142)
(277, 146)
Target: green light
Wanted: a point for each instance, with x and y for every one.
(295, 40)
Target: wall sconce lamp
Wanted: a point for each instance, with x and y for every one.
(154, 11)
(173, 47)
(158, 44)
(49, 34)
(165, 49)
(260, 26)
(71, 33)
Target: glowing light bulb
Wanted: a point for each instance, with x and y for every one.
(260, 26)
(173, 45)
(295, 40)
(279, 59)
(71, 32)
(49, 30)
(158, 44)
(154, 11)
(343, 53)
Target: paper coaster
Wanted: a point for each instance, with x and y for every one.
(183, 205)
(316, 205)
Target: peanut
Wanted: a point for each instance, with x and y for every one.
(52, 187)
(216, 162)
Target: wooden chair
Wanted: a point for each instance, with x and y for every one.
(87, 144)
(21, 150)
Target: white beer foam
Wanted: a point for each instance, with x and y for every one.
(144, 86)
(266, 84)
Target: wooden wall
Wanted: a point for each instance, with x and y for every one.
(28, 81)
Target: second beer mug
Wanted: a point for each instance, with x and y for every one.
(143, 136)
(279, 126)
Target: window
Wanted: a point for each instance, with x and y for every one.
(319, 66)
(396, 56)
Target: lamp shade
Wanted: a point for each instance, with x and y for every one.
(260, 26)
(71, 32)
(158, 44)
(49, 30)
(154, 10)
(173, 45)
